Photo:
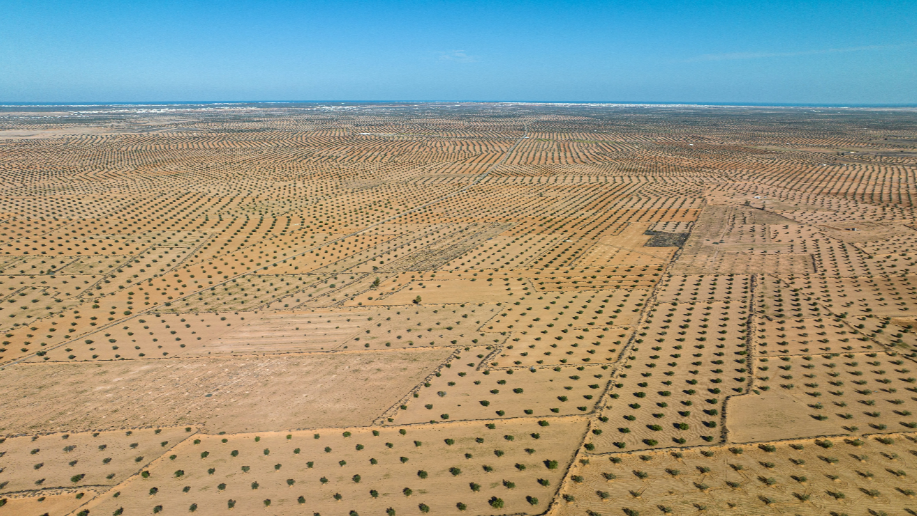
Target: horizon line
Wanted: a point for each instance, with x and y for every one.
(457, 101)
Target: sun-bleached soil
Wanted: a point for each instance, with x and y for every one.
(472, 309)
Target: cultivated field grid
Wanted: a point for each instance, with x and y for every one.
(457, 309)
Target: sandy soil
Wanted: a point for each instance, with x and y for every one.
(218, 394)
(457, 310)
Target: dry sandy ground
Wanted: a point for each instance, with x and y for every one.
(370, 311)
(52, 133)
(220, 395)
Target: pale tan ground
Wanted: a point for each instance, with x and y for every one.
(327, 310)
(244, 394)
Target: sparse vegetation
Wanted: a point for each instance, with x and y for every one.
(626, 291)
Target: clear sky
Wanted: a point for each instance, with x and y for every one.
(838, 51)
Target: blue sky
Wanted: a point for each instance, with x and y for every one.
(702, 51)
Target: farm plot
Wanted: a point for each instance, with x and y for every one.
(246, 293)
(802, 477)
(460, 468)
(465, 390)
(85, 460)
(222, 395)
(671, 390)
(866, 392)
(58, 502)
(285, 333)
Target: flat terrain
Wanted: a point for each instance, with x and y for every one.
(469, 309)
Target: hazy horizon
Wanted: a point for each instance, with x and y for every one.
(820, 53)
(736, 104)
